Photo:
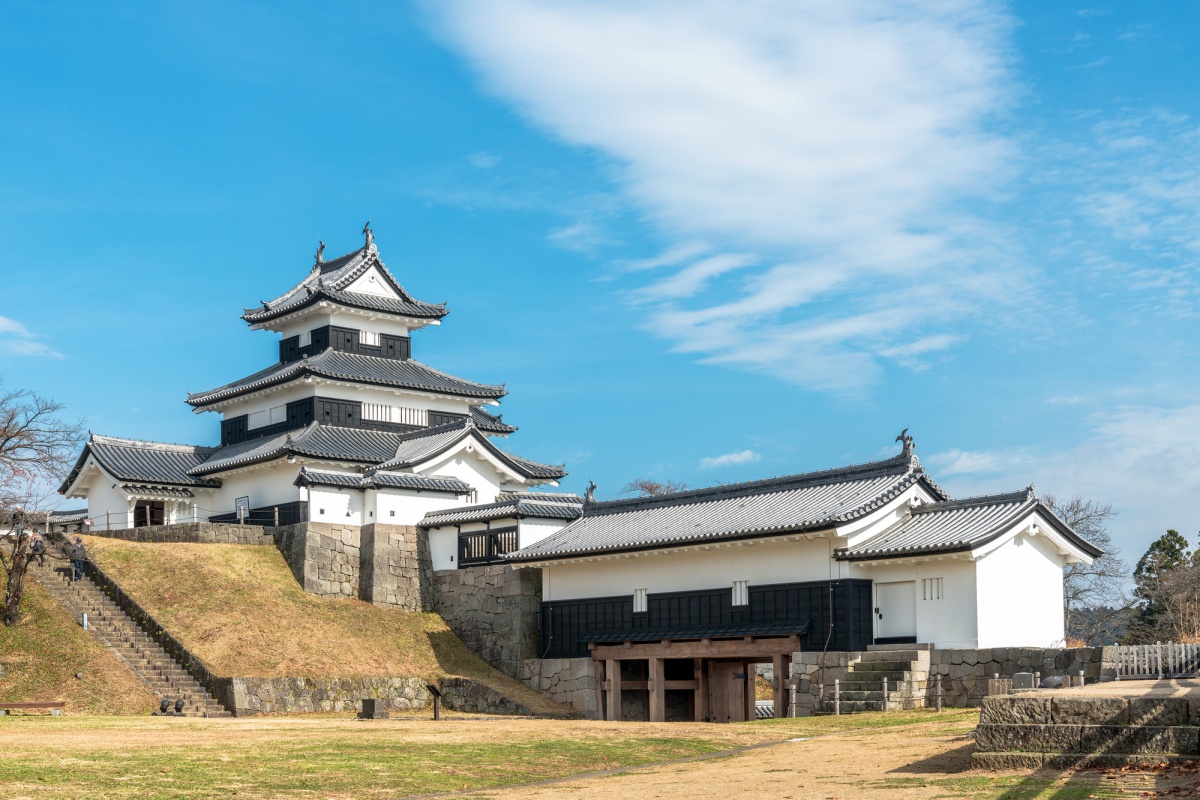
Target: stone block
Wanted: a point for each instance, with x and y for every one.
(1028, 738)
(1159, 711)
(1089, 710)
(1007, 761)
(1138, 739)
(1009, 710)
(1022, 680)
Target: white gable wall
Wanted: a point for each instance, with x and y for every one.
(765, 562)
(950, 622)
(471, 468)
(372, 282)
(1020, 594)
(532, 531)
(107, 506)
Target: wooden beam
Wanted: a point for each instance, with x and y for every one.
(613, 668)
(781, 665)
(675, 686)
(760, 648)
(700, 667)
(598, 670)
(658, 686)
(751, 686)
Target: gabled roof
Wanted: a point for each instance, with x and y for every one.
(419, 447)
(954, 526)
(66, 516)
(492, 423)
(352, 368)
(374, 479)
(544, 505)
(810, 501)
(328, 280)
(142, 462)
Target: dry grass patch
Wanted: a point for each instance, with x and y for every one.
(239, 609)
(42, 654)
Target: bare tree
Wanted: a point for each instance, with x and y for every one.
(36, 447)
(1101, 584)
(648, 487)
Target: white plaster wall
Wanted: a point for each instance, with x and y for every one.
(373, 283)
(762, 563)
(875, 523)
(443, 547)
(329, 504)
(358, 394)
(280, 397)
(946, 623)
(107, 506)
(266, 485)
(532, 531)
(471, 468)
(341, 319)
(1021, 594)
(409, 507)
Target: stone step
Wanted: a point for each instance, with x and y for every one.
(893, 676)
(891, 665)
(875, 656)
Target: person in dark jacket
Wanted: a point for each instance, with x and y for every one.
(38, 548)
(78, 554)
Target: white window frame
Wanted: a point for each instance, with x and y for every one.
(304, 339)
(933, 589)
(369, 338)
(640, 603)
(741, 593)
(378, 412)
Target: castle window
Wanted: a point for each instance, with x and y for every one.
(369, 338)
(931, 589)
(304, 339)
(639, 601)
(378, 412)
(741, 593)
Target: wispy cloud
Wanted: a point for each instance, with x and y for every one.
(729, 459)
(17, 340)
(483, 160)
(826, 153)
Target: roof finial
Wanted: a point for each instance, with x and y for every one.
(320, 256)
(370, 236)
(590, 495)
(907, 442)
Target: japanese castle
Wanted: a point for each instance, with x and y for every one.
(345, 428)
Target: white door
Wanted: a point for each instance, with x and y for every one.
(896, 610)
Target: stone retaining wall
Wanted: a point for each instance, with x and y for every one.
(324, 557)
(570, 681)
(965, 673)
(396, 569)
(200, 532)
(495, 610)
(250, 696)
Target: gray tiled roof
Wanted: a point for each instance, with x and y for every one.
(161, 491)
(373, 479)
(543, 505)
(420, 446)
(810, 501)
(319, 441)
(492, 423)
(148, 462)
(353, 368)
(328, 281)
(65, 516)
(957, 526)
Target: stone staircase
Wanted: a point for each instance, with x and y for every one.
(121, 635)
(907, 673)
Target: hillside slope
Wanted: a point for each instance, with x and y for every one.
(42, 654)
(239, 609)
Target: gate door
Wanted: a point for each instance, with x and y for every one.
(896, 612)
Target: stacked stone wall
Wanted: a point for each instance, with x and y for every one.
(495, 610)
(250, 696)
(570, 681)
(324, 557)
(197, 532)
(396, 569)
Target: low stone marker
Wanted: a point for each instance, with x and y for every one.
(373, 709)
(1022, 681)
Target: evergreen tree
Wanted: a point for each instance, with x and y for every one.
(1166, 554)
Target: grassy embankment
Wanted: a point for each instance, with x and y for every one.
(42, 654)
(113, 758)
(240, 610)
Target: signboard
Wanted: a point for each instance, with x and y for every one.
(242, 507)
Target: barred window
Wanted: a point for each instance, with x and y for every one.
(931, 589)
(369, 338)
(639, 601)
(741, 593)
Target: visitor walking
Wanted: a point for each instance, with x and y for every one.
(38, 548)
(78, 554)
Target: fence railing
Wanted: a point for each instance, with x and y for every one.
(485, 547)
(1158, 660)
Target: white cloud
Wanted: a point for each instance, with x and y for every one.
(582, 237)
(17, 340)
(741, 457)
(483, 160)
(825, 151)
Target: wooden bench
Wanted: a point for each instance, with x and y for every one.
(55, 708)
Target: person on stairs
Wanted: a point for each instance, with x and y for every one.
(78, 554)
(38, 548)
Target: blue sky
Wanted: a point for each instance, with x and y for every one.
(699, 241)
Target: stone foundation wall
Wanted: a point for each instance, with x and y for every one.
(199, 532)
(495, 610)
(250, 696)
(396, 569)
(324, 557)
(570, 681)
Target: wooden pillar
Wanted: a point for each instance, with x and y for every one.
(781, 665)
(613, 669)
(748, 671)
(598, 671)
(701, 672)
(658, 693)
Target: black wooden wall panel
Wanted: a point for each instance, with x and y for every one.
(345, 413)
(567, 624)
(442, 418)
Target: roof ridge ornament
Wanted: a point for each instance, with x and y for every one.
(907, 443)
(590, 495)
(369, 235)
(319, 257)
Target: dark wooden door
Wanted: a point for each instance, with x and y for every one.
(727, 691)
